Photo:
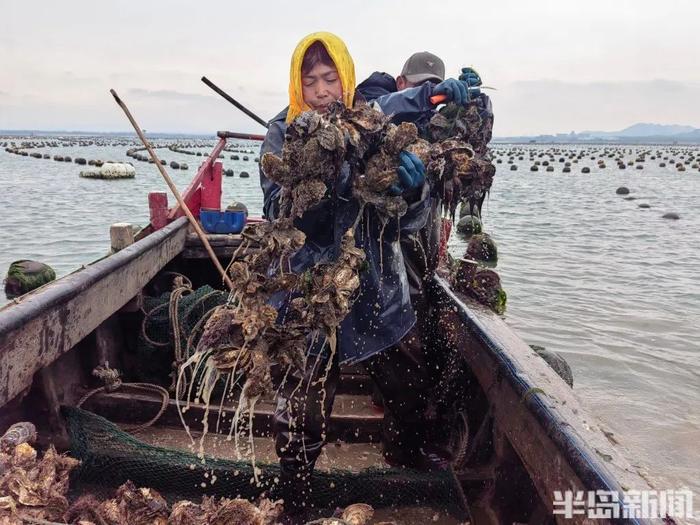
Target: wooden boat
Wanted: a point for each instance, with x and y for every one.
(525, 435)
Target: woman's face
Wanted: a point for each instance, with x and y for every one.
(321, 86)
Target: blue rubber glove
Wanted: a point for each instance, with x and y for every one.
(472, 79)
(411, 173)
(455, 90)
(470, 76)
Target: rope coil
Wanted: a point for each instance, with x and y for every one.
(112, 383)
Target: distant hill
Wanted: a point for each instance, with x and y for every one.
(644, 130)
(644, 133)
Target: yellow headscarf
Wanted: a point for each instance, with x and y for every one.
(343, 63)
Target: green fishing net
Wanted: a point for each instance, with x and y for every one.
(110, 456)
(156, 343)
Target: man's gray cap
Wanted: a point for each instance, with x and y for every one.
(423, 66)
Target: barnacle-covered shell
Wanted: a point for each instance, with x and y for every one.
(24, 454)
(234, 512)
(186, 513)
(358, 514)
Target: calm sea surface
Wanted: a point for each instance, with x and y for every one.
(612, 286)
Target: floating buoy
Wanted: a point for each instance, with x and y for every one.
(585, 169)
(469, 225)
(671, 215)
(482, 248)
(244, 175)
(175, 165)
(111, 170)
(25, 275)
(556, 363)
(622, 190)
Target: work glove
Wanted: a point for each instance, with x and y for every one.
(472, 79)
(411, 173)
(470, 76)
(454, 90)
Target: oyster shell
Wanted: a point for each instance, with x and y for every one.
(358, 514)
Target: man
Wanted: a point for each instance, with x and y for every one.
(419, 75)
(419, 69)
(421, 251)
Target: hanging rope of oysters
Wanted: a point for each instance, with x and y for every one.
(244, 337)
(464, 133)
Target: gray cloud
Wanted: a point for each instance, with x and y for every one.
(58, 63)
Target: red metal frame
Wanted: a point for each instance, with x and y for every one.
(205, 178)
(203, 192)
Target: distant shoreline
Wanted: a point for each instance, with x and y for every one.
(655, 140)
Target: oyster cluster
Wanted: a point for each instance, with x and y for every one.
(316, 146)
(144, 506)
(31, 486)
(463, 135)
(248, 334)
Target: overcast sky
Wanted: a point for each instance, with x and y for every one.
(558, 65)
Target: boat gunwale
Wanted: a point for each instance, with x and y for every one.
(591, 471)
(27, 307)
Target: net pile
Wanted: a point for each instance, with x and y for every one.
(157, 346)
(110, 457)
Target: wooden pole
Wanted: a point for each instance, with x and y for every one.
(197, 228)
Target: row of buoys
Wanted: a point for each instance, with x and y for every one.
(683, 158)
(625, 191)
(474, 274)
(229, 173)
(61, 158)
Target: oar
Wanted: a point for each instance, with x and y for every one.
(234, 101)
(171, 185)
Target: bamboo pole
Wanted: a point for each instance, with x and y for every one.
(173, 188)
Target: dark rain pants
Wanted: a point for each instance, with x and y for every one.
(303, 409)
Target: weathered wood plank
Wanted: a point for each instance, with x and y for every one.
(52, 319)
(352, 419)
(560, 443)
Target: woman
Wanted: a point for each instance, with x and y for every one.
(321, 72)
